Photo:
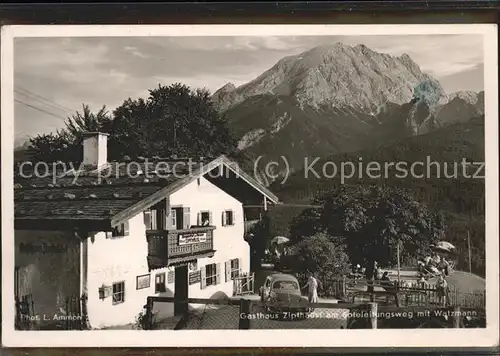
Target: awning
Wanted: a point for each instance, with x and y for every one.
(155, 262)
(183, 260)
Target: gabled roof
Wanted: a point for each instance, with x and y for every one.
(127, 190)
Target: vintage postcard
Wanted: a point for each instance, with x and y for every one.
(292, 186)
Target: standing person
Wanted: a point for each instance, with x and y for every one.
(442, 290)
(445, 266)
(312, 283)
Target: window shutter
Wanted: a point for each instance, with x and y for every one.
(228, 270)
(210, 221)
(223, 218)
(217, 273)
(154, 225)
(125, 228)
(198, 219)
(233, 217)
(186, 218)
(167, 205)
(203, 280)
(147, 219)
(239, 267)
(170, 277)
(160, 219)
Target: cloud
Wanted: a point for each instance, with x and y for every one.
(135, 52)
(438, 55)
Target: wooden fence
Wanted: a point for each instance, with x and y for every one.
(454, 295)
(246, 307)
(343, 288)
(75, 314)
(25, 312)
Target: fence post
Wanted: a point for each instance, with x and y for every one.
(373, 315)
(456, 317)
(245, 307)
(149, 314)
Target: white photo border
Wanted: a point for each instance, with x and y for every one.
(427, 338)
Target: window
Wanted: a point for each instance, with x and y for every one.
(286, 285)
(118, 292)
(173, 213)
(119, 230)
(204, 218)
(235, 268)
(160, 283)
(227, 218)
(180, 218)
(268, 283)
(211, 274)
(155, 218)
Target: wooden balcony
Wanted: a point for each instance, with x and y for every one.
(171, 247)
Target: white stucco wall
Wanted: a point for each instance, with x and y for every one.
(229, 242)
(111, 260)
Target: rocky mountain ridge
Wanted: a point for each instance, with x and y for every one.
(337, 98)
(336, 75)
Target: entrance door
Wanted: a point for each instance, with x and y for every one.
(181, 290)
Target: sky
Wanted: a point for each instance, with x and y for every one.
(54, 76)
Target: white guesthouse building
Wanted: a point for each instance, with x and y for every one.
(115, 233)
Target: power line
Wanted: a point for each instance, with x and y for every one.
(42, 99)
(51, 106)
(39, 109)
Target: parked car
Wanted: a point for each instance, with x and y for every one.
(398, 310)
(281, 294)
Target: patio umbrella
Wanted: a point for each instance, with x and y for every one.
(279, 240)
(444, 246)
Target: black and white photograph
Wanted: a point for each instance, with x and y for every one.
(327, 180)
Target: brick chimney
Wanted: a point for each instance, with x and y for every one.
(95, 149)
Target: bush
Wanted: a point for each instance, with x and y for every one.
(320, 255)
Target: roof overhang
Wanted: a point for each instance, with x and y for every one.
(176, 186)
(62, 224)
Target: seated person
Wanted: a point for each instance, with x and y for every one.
(434, 270)
(427, 260)
(385, 282)
(420, 264)
(385, 277)
(436, 259)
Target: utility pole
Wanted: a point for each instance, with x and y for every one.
(399, 265)
(470, 255)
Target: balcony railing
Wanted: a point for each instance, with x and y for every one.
(166, 247)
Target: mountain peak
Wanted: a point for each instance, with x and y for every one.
(227, 87)
(336, 75)
(225, 96)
